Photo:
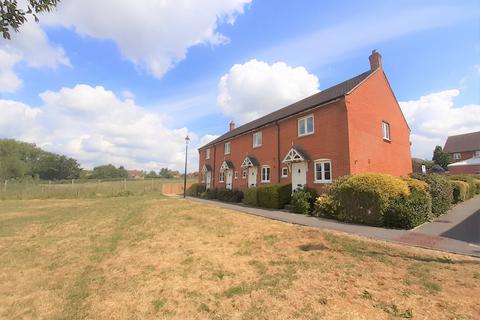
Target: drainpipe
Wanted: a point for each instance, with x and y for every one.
(278, 152)
(213, 169)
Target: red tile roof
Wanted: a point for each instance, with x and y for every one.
(463, 142)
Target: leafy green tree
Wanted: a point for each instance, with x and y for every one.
(440, 157)
(165, 173)
(12, 16)
(109, 171)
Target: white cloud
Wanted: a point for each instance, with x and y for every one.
(29, 45)
(434, 117)
(153, 34)
(96, 127)
(255, 88)
(206, 139)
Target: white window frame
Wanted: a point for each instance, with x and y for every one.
(221, 176)
(235, 175)
(269, 174)
(457, 156)
(244, 174)
(386, 131)
(284, 169)
(256, 141)
(227, 148)
(476, 154)
(306, 133)
(322, 162)
(207, 154)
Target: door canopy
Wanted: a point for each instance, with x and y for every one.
(295, 155)
(206, 168)
(249, 162)
(226, 165)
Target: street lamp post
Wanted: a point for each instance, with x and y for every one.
(187, 139)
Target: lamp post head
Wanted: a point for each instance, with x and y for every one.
(187, 139)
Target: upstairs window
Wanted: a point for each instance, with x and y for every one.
(386, 130)
(323, 171)
(457, 156)
(265, 174)
(227, 148)
(207, 154)
(257, 139)
(305, 125)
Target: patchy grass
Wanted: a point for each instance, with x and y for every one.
(151, 257)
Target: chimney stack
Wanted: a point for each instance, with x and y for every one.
(375, 60)
(232, 125)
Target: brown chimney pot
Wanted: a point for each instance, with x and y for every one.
(232, 125)
(375, 60)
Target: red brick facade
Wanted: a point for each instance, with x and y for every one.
(347, 132)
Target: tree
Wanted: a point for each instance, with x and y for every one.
(440, 157)
(12, 17)
(108, 171)
(165, 173)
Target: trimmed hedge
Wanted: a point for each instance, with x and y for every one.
(274, 196)
(472, 186)
(440, 191)
(301, 202)
(196, 189)
(460, 190)
(228, 195)
(365, 198)
(477, 184)
(209, 194)
(251, 197)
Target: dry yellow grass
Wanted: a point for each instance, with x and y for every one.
(158, 258)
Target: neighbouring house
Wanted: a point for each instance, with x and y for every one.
(464, 152)
(463, 146)
(135, 174)
(353, 127)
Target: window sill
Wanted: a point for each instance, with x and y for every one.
(306, 134)
(255, 147)
(265, 181)
(322, 182)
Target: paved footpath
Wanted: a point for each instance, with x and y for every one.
(444, 234)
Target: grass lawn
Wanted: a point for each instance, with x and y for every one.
(147, 257)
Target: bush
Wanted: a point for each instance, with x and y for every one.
(301, 202)
(460, 190)
(364, 198)
(196, 189)
(228, 195)
(326, 206)
(251, 197)
(274, 196)
(209, 194)
(410, 210)
(472, 187)
(440, 191)
(477, 184)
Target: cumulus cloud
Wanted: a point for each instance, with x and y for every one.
(96, 127)
(31, 46)
(206, 139)
(153, 34)
(433, 117)
(255, 88)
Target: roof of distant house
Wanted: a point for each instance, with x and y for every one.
(315, 100)
(463, 142)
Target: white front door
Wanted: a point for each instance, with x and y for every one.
(299, 175)
(229, 177)
(208, 178)
(252, 177)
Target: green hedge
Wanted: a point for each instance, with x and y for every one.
(301, 202)
(228, 195)
(196, 189)
(440, 190)
(477, 184)
(410, 210)
(251, 197)
(472, 186)
(274, 196)
(326, 206)
(460, 190)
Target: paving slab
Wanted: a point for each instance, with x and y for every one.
(433, 235)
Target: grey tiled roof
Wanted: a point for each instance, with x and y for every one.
(317, 99)
(463, 142)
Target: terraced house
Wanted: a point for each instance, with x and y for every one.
(353, 127)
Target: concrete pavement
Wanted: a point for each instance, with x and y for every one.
(448, 233)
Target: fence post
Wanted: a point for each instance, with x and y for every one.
(124, 184)
(5, 185)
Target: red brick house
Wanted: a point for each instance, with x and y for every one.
(464, 152)
(353, 127)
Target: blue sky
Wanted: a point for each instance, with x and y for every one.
(430, 49)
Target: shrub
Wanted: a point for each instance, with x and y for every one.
(274, 196)
(440, 191)
(209, 194)
(477, 184)
(460, 190)
(301, 202)
(196, 189)
(472, 187)
(228, 195)
(251, 197)
(410, 210)
(364, 198)
(326, 206)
